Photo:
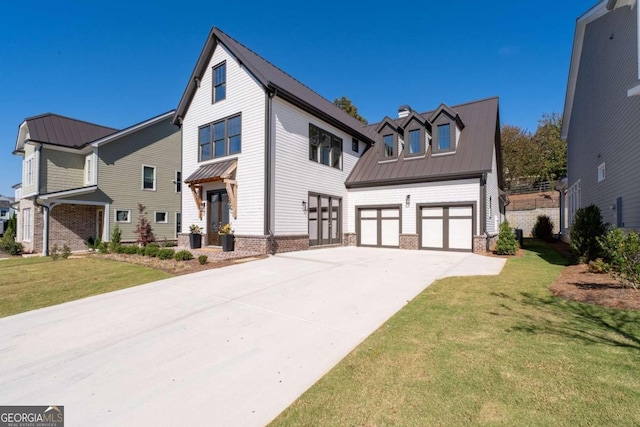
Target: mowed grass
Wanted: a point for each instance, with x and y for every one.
(487, 351)
(30, 283)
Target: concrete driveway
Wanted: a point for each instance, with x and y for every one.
(231, 346)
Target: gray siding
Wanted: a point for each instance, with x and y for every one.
(604, 124)
(60, 170)
(120, 176)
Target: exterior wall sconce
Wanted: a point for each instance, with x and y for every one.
(407, 200)
(304, 206)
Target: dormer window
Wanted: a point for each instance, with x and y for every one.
(389, 146)
(444, 137)
(414, 141)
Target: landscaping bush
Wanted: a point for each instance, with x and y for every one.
(130, 250)
(202, 259)
(623, 254)
(507, 244)
(543, 229)
(140, 250)
(587, 227)
(54, 252)
(143, 230)
(8, 241)
(598, 266)
(66, 251)
(151, 250)
(183, 256)
(119, 249)
(170, 244)
(116, 236)
(166, 253)
(13, 248)
(103, 248)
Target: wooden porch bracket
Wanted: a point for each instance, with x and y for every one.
(196, 192)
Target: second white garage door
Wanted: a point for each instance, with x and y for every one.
(446, 227)
(379, 226)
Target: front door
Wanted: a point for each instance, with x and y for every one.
(99, 223)
(217, 214)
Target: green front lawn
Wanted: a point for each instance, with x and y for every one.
(487, 351)
(30, 283)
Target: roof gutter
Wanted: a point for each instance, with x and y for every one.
(413, 180)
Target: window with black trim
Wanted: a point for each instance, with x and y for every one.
(219, 82)
(161, 217)
(444, 137)
(354, 145)
(221, 138)
(324, 147)
(178, 182)
(122, 215)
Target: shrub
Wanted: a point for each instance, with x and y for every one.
(151, 251)
(587, 227)
(14, 248)
(140, 250)
(103, 248)
(166, 253)
(54, 252)
(507, 244)
(116, 236)
(120, 249)
(152, 245)
(66, 251)
(202, 259)
(598, 266)
(543, 229)
(183, 256)
(130, 250)
(170, 244)
(623, 253)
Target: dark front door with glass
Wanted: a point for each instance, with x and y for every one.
(217, 214)
(325, 220)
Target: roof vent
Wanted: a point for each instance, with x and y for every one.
(404, 111)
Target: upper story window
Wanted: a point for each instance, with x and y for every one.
(88, 169)
(29, 170)
(444, 137)
(389, 146)
(219, 82)
(148, 177)
(354, 145)
(178, 181)
(220, 138)
(414, 141)
(601, 172)
(324, 147)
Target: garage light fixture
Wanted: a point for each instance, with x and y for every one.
(407, 201)
(304, 206)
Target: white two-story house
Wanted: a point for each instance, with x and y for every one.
(289, 170)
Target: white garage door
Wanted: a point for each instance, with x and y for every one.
(379, 227)
(446, 227)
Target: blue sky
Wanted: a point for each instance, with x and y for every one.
(118, 63)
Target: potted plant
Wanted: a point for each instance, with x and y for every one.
(227, 237)
(195, 237)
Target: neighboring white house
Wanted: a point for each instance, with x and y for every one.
(289, 170)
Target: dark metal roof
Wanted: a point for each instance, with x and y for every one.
(210, 172)
(272, 78)
(473, 155)
(64, 131)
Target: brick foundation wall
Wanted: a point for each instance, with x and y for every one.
(290, 243)
(71, 225)
(258, 244)
(409, 241)
(479, 244)
(349, 239)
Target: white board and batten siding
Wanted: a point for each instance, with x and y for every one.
(243, 95)
(444, 192)
(296, 175)
(492, 207)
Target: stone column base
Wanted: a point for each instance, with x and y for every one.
(349, 239)
(479, 244)
(409, 241)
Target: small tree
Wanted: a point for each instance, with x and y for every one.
(143, 228)
(543, 229)
(507, 244)
(587, 227)
(116, 236)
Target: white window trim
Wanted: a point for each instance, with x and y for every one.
(89, 173)
(166, 217)
(115, 216)
(27, 228)
(602, 175)
(155, 178)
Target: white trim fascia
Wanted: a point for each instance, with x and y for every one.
(20, 144)
(75, 202)
(74, 192)
(133, 129)
(83, 150)
(592, 14)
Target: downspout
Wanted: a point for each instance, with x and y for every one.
(483, 204)
(268, 170)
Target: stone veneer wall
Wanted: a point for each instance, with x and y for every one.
(479, 244)
(70, 225)
(349, 239)
(409, 241)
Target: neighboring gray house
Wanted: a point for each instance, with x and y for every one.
(80, 179)
(602, 113)
(6, 210)
(290, 170)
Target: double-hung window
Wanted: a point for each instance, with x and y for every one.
(414, 141)
(444, 137)
(221, 138)
(389, 146)
(219, 82)
(148, 177)
(29, 171)
(26, 228)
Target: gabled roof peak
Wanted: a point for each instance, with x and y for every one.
(453, 114)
